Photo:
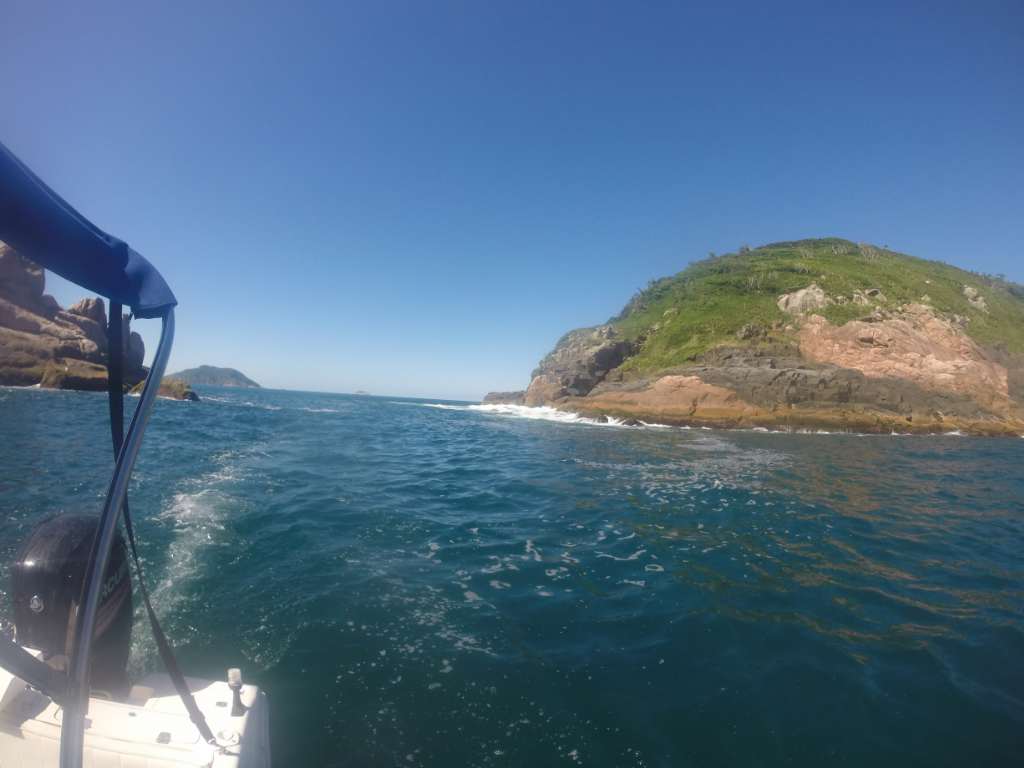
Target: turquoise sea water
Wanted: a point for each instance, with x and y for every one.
(427, 586)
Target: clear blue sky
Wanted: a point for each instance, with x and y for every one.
(419, 198)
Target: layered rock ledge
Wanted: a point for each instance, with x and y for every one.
(43, 345)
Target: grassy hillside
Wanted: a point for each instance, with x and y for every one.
(707, 303)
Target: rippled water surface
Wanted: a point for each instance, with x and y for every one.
(425, 586)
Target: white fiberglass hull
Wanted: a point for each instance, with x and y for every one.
(150, 730)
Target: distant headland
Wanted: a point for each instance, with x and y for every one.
(213, 376)
(811, 334)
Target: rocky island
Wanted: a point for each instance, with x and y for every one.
(43, 345)
(811, 334)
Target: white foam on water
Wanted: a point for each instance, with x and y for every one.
(531, 550)
(196, 515)
(262, 406)
(540, 413)
(547, 413)
(433, 619)
(634, 556)
(239, 403)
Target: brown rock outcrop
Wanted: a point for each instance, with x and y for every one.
(744, 388)
(674, 398)
(916, 346)
(909, 370)
(22, 282)
(579, 361)
(90, 316)
(69, 373)
(40, 343)
(171, 388)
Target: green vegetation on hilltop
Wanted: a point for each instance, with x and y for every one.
(708, 303)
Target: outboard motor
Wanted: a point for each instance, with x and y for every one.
(46, 584)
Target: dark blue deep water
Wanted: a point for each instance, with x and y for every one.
(424, 586)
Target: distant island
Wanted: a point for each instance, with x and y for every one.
(809, 334)
(211, 375)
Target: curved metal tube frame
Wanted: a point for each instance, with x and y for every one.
(72, 735)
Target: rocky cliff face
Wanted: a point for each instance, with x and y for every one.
(40, 343)
(578, 363)
(809, 357)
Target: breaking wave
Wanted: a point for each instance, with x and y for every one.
(543, 413)
(547, 413)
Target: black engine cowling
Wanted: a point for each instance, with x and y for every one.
(46, 584)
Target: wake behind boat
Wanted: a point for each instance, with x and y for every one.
(65, 695)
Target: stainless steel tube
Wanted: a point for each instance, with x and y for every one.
(72, 734)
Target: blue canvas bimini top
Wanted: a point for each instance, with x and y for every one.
(40, 225)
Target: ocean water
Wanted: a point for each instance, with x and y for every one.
(432, 584)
